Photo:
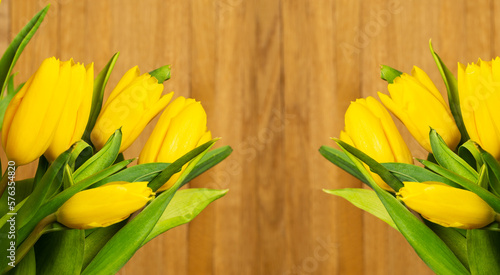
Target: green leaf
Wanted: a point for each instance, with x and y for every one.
(120, 248)
(453, 239)
(97, 239)
(23, 190)
(99, 86)
(340, 159)
(184, 207)
(451, 86)
(375, 167)
(469, 152)
(430, 248)
(6, 100)
(389, 74)
(176, 166)
(484, 251)
(483, 177)
(27, 266)
(102, 159)
(60, 252)
(208, 161)
(488, 197)
(161, 74)
(53, 176)
(16, 47)
(449, 160)
(366, 200)
(52, 205)
(140, 172)
(494, 169)
(81, 151)
(413, 173)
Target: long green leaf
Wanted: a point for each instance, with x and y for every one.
(16, 47)
(102, 159)
(129, 239)
(413, 173)
(97, 239)
(52, 176)
(27, 266)
(494, 169)
(60, 252)
(449, 160)
(451, 86)
(140, 172)
(340, 159)
(184, 207)
(376, 167)
(431, 249)
(99, 86)
(366, 200)
(453, 239)
(484, 251)
(208, 161)
(176, 166)
(469, 152)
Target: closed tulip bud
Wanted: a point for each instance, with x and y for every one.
(132, 104)
(447, 206)
(75, 115)
(104, 205)
(416, 101)
(32, 118)
(181, 128)
(370, 128)
(479, 93)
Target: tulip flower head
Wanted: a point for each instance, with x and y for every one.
(133, 103)
(479, 93)
(370, 128)
(416, 101)
(104, 205)
(34, 120)
(181, 128)
(446, 205)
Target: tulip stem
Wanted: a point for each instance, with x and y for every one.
(3, 183)
(39, 230)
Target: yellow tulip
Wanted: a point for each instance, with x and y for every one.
(416, 101)
(479, 93)
(104, 205)
(132, 104)
(181, 128)
(446, 205)
(75, 114)
(370, 128)
(33, 115)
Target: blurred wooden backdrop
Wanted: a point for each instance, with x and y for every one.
(275, 78)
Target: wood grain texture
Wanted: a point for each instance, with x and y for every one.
(275, 78)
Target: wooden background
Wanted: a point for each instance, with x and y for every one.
(275, 78)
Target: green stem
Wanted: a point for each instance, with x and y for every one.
(30, 241)
(3, 183)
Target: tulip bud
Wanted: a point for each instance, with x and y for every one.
(132, 104)
(370, 128)
(181, 128)
(479, 93)
(104, 205)
(32, 118)
(75, 114)
(447, 206)
(419, 105)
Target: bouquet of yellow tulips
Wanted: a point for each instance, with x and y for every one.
(448, 207)
(85, 211)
